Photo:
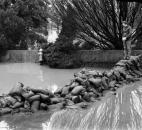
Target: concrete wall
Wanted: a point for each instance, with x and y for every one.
(20, 56)
(86, 56)
(105, 56)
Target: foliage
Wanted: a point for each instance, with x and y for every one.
(63, 10)
(18, 18)
(99, 22)
(130, 1)
(61, 54)
(53, 14)
(36, 37)
(3, 44)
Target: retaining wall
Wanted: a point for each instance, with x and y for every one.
(20, 56)
(86, 56)
(103, 56)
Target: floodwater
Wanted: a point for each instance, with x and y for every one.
(36, 76)
(122, 111)
(33, 75)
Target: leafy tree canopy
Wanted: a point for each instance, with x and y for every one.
(99, 22)
(18, 18)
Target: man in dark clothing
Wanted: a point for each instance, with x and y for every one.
(127, 38)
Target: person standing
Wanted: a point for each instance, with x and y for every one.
(127, 37)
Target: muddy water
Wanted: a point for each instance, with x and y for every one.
(35, 76)
(122, 111)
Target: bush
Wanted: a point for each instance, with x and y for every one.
(61, 54)
(18, 18)
(3, 45)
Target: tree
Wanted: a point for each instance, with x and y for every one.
(100, 21)
(64, 11)
(130, 1)
(18, 18)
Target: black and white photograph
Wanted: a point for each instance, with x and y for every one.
(70, 64)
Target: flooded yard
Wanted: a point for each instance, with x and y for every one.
(36, 76)
(116, 112)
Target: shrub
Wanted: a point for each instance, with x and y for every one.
(61, 54)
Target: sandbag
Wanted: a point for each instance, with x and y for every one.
(91, 94)
(122, 71)
(3, 102)
(74, 84)
(18, 98)
(117, 75)
(26, 104)
(129, 78)
(79, 80)
(35, 106)
(43, 106)
(4, 111)
(112, 84)
(68, 96)
(56, 107)
(81, 75)
(77, 90)
(49, 93)
(17, 105)
(11, 100)
(44, 98)
(86, 97)
(76, 99)
(43, 91)
(65, 91)
(7, 101)
(34, 98)
(27, 94)
(27, 88)
(95, 81)
(69, 102)
(58, 91)
(110, 73)
(21, 109)
(121, 63)
(93, 73)
(56, 100)
(17, 89)
(112, 77)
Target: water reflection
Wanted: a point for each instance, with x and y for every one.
(41, 76)
(122, 111)
(38, 121)
(4, 126)
(33, 75)
(54, 88)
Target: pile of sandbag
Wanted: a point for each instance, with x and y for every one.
(26, 99)
(87, 86)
